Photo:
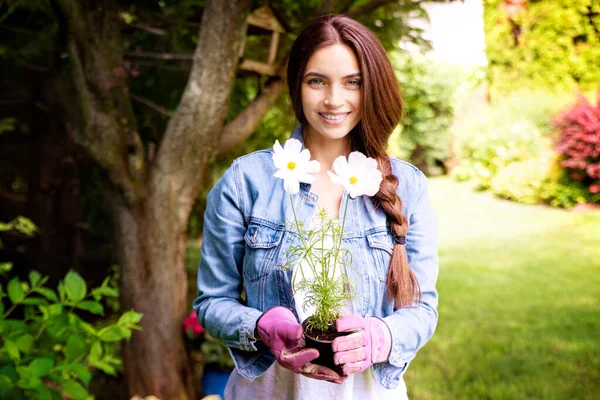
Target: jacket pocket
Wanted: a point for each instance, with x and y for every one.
(381, 247)
(262, 240)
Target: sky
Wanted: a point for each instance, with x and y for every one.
(456, 32)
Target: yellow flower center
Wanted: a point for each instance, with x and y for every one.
(353, 180)
(291, 165)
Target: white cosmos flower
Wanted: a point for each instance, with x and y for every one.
(358, 174)
(294, 165)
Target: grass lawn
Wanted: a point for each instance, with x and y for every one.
(519, 302)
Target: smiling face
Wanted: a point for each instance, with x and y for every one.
(331, 92)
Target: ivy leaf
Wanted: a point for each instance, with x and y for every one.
(91, 306)
(75, 287)
(15, 291)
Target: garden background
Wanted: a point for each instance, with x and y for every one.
(117, 117)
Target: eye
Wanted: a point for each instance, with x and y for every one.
(315, 81)
(354, 83)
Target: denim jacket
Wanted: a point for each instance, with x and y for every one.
(244, 249)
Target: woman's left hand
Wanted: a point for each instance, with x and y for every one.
(370, 342)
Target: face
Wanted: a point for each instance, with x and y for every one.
(331, 92)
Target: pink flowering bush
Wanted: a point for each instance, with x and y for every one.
(579, 142)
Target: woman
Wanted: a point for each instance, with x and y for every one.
(346, 98)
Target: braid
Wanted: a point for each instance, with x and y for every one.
(402, 284)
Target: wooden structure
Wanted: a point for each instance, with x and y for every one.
(264, 20)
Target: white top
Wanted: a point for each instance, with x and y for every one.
(278, 383)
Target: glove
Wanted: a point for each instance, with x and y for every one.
(370, 342)
(279, 330)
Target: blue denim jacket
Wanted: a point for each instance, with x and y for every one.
(244, 246)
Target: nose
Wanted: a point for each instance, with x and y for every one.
(334, 98)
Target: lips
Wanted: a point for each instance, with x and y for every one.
(333, 118)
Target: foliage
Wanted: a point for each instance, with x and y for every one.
(514, 128)
(48, 350)
(484, 153)
(320, 269)
(579, 142)
(543, 44)
(428, 94)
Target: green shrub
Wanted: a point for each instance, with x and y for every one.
(48, 351)
(428, 96)
(546, 44)
(484, 153)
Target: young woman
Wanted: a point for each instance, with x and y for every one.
(346, 98)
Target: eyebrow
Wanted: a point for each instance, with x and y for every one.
(355, 75)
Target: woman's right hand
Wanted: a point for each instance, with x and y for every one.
(280, 331)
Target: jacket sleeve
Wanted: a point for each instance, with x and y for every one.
(219, 305)
(412, 327)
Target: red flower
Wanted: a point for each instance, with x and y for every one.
(192, 322)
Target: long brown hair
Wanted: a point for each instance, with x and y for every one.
(381, 113)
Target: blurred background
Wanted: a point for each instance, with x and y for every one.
(117, 117)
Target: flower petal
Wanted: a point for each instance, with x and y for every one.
(291, 186)
(293, 146)
(334, 178)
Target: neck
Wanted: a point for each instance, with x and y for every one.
(326, 150)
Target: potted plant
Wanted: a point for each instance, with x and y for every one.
(319, 260)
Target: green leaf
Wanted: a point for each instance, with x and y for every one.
(41, 366)
(74, 390)
(24, 343)
(5, 267)
(12, 349)
(55, 309)
(30, 383)
(104, 291)
(91, 306)
(106, 368)
(95, 352)
(75, 347)
(114, 334)
(47, 293)
(34, 278)
(130, 317)
(88, 328)
(34, 301)
(75, 287)
(81, 372)
(15, 291)
(5, 382)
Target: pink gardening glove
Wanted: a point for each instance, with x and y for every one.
(370, 343)
(278, 328)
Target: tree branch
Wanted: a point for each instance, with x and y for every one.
(192, 135)
(152, 105)
(93, 96)
(248, 120)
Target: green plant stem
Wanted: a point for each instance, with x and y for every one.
(301, 236)
(339, 246)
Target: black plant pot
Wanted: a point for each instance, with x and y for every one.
(322, 342)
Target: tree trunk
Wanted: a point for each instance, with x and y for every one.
(152, 243)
